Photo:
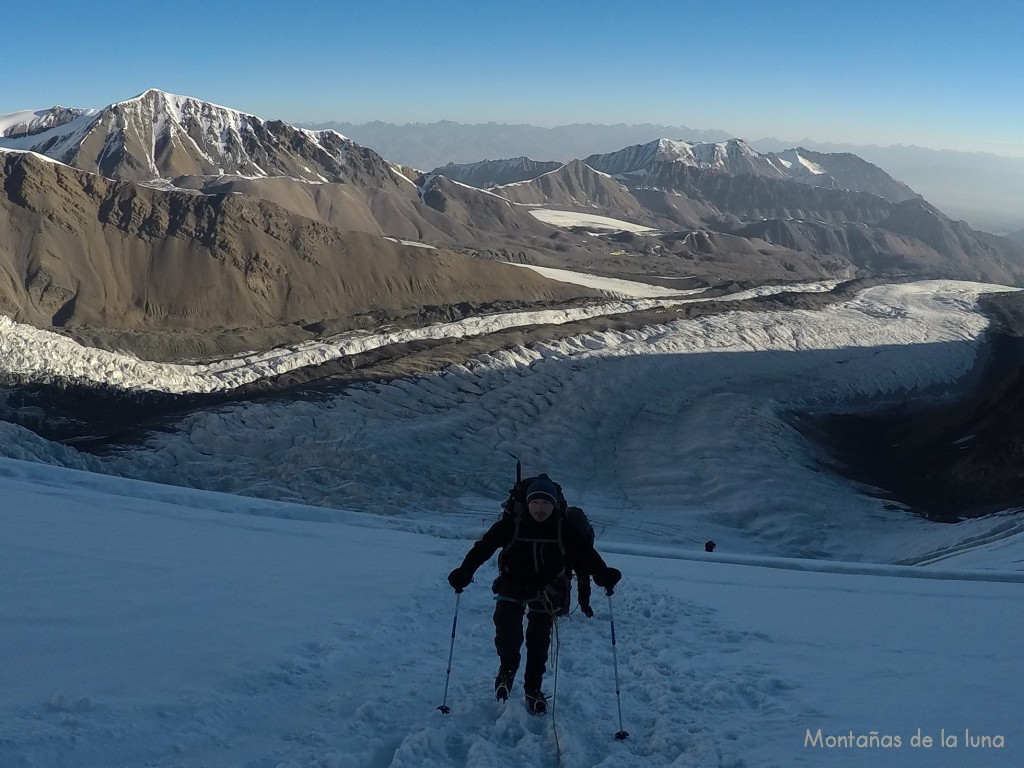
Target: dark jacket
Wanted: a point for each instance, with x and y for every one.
(534, 555)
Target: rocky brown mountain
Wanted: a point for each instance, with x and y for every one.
(440, 213)
(177, 142)
(82, 250)
(577, 185)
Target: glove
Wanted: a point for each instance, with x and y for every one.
(608, 580)
(459, 579)
(587, 610)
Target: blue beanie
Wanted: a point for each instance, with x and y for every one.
(542, 488)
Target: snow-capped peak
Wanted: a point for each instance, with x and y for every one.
(670, 150)
(734, 156)
(177, 103)
(159, 135)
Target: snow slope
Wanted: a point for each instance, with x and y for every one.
(160, 625)
(574, 219)
(157, 626)
(28, 120)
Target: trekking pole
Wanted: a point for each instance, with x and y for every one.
(444, 709)
(621, 735)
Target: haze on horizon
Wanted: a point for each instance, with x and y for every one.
(944, 76)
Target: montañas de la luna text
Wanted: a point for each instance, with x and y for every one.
(919, 740)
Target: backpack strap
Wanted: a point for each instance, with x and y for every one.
(559, 538)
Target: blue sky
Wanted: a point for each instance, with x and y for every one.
(937, 74)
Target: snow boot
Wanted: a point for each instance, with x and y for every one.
(536, 703)
(503, 683)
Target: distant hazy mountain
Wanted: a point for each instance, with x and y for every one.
(1018, 236)
(429, 145)
(736, 158)
(986, 190)
(489, 173)
(848, 170)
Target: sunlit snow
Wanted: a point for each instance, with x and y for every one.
(575, 219)
(31, 354)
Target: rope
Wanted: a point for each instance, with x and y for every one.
(554, 692)
(552, 612)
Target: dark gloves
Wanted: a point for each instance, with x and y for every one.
(587, 610)
(608, 580)
(459, 579)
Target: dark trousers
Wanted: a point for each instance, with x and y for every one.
(508, 638)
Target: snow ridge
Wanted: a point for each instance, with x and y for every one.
(734, 157)
(27, 122)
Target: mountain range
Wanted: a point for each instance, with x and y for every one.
(848, 215)
(212, 229)
(985, 189)
(173, 215)
(428, 145)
